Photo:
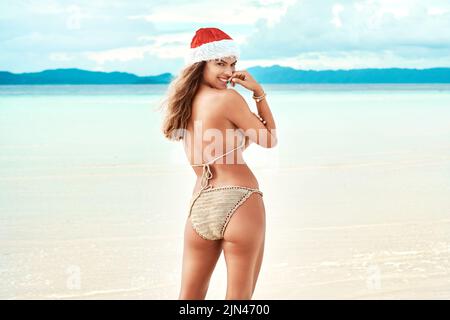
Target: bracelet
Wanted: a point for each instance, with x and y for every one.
(260, 98)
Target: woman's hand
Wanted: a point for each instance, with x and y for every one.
(245, 79)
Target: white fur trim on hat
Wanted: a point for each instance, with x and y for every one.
(212, 50)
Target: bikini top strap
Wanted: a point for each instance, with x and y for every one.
(209, 162)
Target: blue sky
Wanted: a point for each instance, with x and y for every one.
(150, 37)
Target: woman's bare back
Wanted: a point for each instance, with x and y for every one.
(211, 135)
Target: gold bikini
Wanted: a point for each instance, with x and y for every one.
(212, 207)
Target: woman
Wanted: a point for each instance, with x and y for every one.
(226, 210)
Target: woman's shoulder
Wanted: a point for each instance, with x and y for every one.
(219, 99)
(230, 93)
(228, 97)
(219, 93)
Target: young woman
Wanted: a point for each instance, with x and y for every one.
(216, 124)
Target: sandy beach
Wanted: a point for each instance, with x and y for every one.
(114, 255)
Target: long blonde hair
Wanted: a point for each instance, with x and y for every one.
(178, 104)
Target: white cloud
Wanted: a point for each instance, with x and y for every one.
(167, 38)
(437, 11)
(377, 12)
(74, 20)
(60, 56)
(232, 12)
(165, 46)
(119, 54)
(370, 32)
(37, 9)
(152, 36)
(49, 7)
(398, 8)
(350, 60)
(337, 9)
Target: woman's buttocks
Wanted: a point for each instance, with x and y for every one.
(228, 175)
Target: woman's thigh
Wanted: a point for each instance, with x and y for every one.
(199, 259)
(242, 245)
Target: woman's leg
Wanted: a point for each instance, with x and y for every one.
(243, 247)
(199, 259)
(258, 265)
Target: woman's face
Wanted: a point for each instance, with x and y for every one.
(218, 71)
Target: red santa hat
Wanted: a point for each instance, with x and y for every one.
(211, 43)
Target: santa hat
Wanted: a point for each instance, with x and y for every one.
(211, 43)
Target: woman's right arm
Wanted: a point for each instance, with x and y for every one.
(238, 112)
(265, 113)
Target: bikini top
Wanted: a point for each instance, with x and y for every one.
(207, 174)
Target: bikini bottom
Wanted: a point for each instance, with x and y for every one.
(211, 209)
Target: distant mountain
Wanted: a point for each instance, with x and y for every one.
(77, 76)
(278, 74)
(273, 74)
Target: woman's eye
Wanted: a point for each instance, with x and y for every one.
(222, 64)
